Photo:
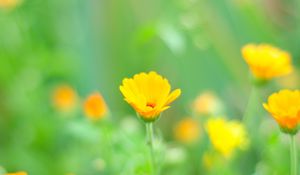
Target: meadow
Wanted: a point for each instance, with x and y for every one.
(161, 87)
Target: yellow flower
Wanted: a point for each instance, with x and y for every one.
(64, 98)
(207, 103)
(8, 4)
(226, 136)
(284, 106)
(17, 173)
(149, 94)
(187, 130)
(267, 62)
(95, 106)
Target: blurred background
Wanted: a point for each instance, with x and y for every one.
(92, 45)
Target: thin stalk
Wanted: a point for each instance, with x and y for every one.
(293, 155)
(149, 129)
(250, 110)
(253, 108)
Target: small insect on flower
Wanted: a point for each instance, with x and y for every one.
(187, 130)
(17, 173)
(64, 98)
(95, 106)
(226, 136)
(149, 94)
(284, 106)
(266, 61)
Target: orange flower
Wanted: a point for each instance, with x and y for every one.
(9, 3)
(284, 106)
(17, 173)
(266, 61)
(187, 130)
(95, 106)
(207, 103)
(149, 94)
(64, 98)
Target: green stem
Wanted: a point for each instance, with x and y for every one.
(293, 156)
(149, 128)
(250, 108)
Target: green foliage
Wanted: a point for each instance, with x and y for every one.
(93, 45)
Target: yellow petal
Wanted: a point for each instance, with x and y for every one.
(175, 94)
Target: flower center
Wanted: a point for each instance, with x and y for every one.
(152, 105)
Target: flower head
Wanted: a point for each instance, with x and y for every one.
(226, 136)
(149, 94)
(266, 61)
(64, 98)
(17, 173)
(207, 103)
(187, 130)
(95, 106)
(284, 106)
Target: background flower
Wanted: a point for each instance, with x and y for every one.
(8, 4)
(64, 98)
(207, 103)
(266, 61)
(226, 136)
(17, 173)
(95, 106)
(187, 130)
